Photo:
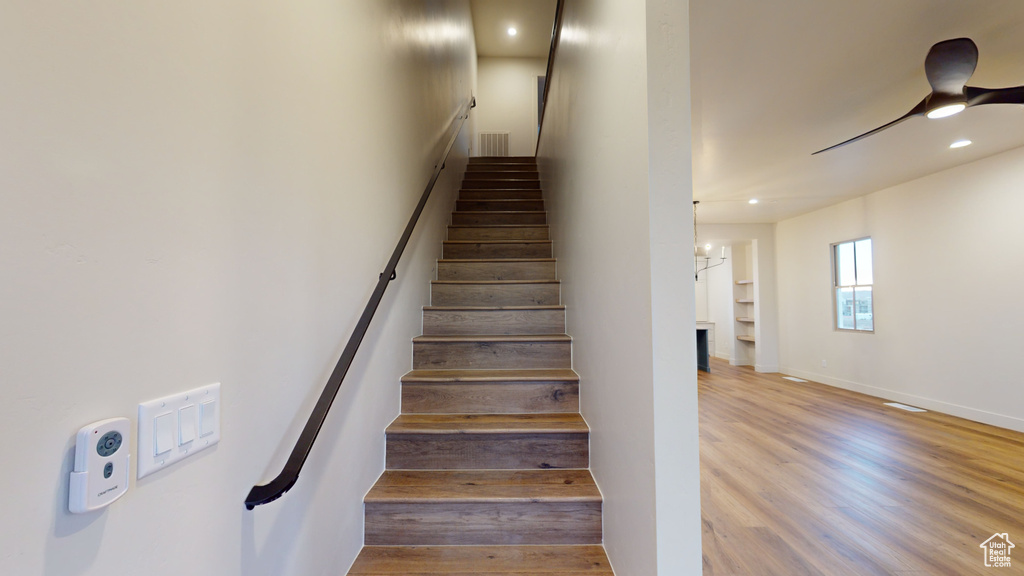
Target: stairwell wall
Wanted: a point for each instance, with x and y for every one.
(200, 192)
(507, 101)
(615, 165)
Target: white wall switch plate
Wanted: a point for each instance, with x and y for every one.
(177, 426)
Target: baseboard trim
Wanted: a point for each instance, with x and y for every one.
(966, 412)
(766, 368)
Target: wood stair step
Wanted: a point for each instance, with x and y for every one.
(481, 507)
(479, 352)
(497, 174)
(498, 232)
(497, 269)
(527, 171)
(484, 486)
(480, 249)
(490, 391)
(499, 205)
(500, 194)
(587, 560)
(505, 183)
(490, 218)
(495, 292)
(487, 441)
(488, 424)
(502, 160)
(493, 319)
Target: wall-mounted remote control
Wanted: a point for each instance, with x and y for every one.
(101, 465)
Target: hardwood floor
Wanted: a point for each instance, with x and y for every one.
(802, 478)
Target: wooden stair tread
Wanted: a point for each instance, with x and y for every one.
(496, 260)
(535, 375)
(508, 241)
(471, 179)
(494, 560)
(541, 423)
(498, 226)
(484, 486)
(493, 212)
(493, 282)
(441, 338)
(494, 308)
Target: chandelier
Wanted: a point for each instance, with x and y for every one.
(701, 259)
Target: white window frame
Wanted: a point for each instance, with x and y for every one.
(833, 250)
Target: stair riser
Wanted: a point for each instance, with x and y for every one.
(502, 175)
(452, 322)
(507, 184)
(507, 233)
(488, 355)
(510, 169)
(487, 451)
(474, 160)
(483, 523)
(490, 397)
(496, 270)
(498, 218)
(494, 295)
(499, 205)
(502, 250)
(501, 194)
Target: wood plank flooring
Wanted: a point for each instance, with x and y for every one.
(806, 479)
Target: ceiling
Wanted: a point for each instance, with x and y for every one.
(773, 82)
(531, 18)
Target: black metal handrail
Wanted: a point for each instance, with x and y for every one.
(276, 488)
(556, 35)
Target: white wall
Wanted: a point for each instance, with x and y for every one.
(948, 272)
(206, 191)
(720, 305)
(507, 100)
(615, 161)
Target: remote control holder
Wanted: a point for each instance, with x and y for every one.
(102, 455)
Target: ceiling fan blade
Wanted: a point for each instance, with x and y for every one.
(950, 64)
(979, 96)
(918, 110)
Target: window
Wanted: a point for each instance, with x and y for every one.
(852, 280)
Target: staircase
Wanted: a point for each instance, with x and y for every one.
(487, 464)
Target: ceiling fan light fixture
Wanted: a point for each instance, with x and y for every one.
(946, 110)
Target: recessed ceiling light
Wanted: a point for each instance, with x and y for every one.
(512, 31)
(948, 110)
(752, 201)
(960, 144)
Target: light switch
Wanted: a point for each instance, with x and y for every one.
(207, 418)
(172, 426)
(163, 433)
(186, 424)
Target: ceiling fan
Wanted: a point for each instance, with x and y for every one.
(948, 66)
